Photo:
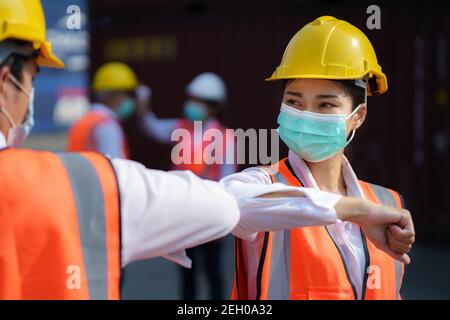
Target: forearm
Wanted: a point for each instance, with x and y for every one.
(353, 209)
(263, 214)
(347, 208)
(159, 129)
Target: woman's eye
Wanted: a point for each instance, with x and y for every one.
(326, 105)
(292, 102)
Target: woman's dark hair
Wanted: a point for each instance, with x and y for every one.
(357, 93)
(17, 59)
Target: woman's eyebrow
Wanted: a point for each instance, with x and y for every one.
(326, 96)
(319, 96)
(293, 93)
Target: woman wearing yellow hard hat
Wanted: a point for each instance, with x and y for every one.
(309, 228)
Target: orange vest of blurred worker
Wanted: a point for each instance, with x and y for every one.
(202, 169)
(306, 263)
(59, 226)
(81, 135)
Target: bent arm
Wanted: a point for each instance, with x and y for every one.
(164, 213)
(272, 207)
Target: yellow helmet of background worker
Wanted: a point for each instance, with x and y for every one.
(24, 20)
(329, 48)
(114, 76)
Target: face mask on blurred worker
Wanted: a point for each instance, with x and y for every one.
(313, 136)
(17, 134)
(195, 111)
(126, 108)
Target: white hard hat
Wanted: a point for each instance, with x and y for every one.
(208, 86)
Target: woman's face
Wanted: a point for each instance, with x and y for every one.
(323, 96)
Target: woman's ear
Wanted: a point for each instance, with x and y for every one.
(4, 71)
(360, 116)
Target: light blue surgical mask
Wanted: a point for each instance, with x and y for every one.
(313, 136)
(126, 108)
(194, 111)
(17, 134)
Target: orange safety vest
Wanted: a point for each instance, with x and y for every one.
(202, 169)
(59, 226)
(305, 263)
(81, 136)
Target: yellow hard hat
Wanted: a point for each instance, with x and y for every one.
(24, 20)
(114, 76)
(329, 48)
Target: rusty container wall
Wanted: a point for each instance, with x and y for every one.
(404, 142)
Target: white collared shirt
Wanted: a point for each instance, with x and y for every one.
(275, 214)
(163, 213)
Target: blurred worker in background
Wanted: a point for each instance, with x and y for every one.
(70, 221)
(206, 96)
(309, 228)
(100, 130)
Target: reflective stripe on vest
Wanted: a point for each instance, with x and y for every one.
(390, 198)
(59, 226)
(91, 220)
(305, 263)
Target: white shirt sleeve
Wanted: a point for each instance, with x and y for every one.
(311, 208)
(109, 139)
(164, 213)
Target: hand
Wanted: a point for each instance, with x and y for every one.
(390, 229)
(402, 235)
(393, 235)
